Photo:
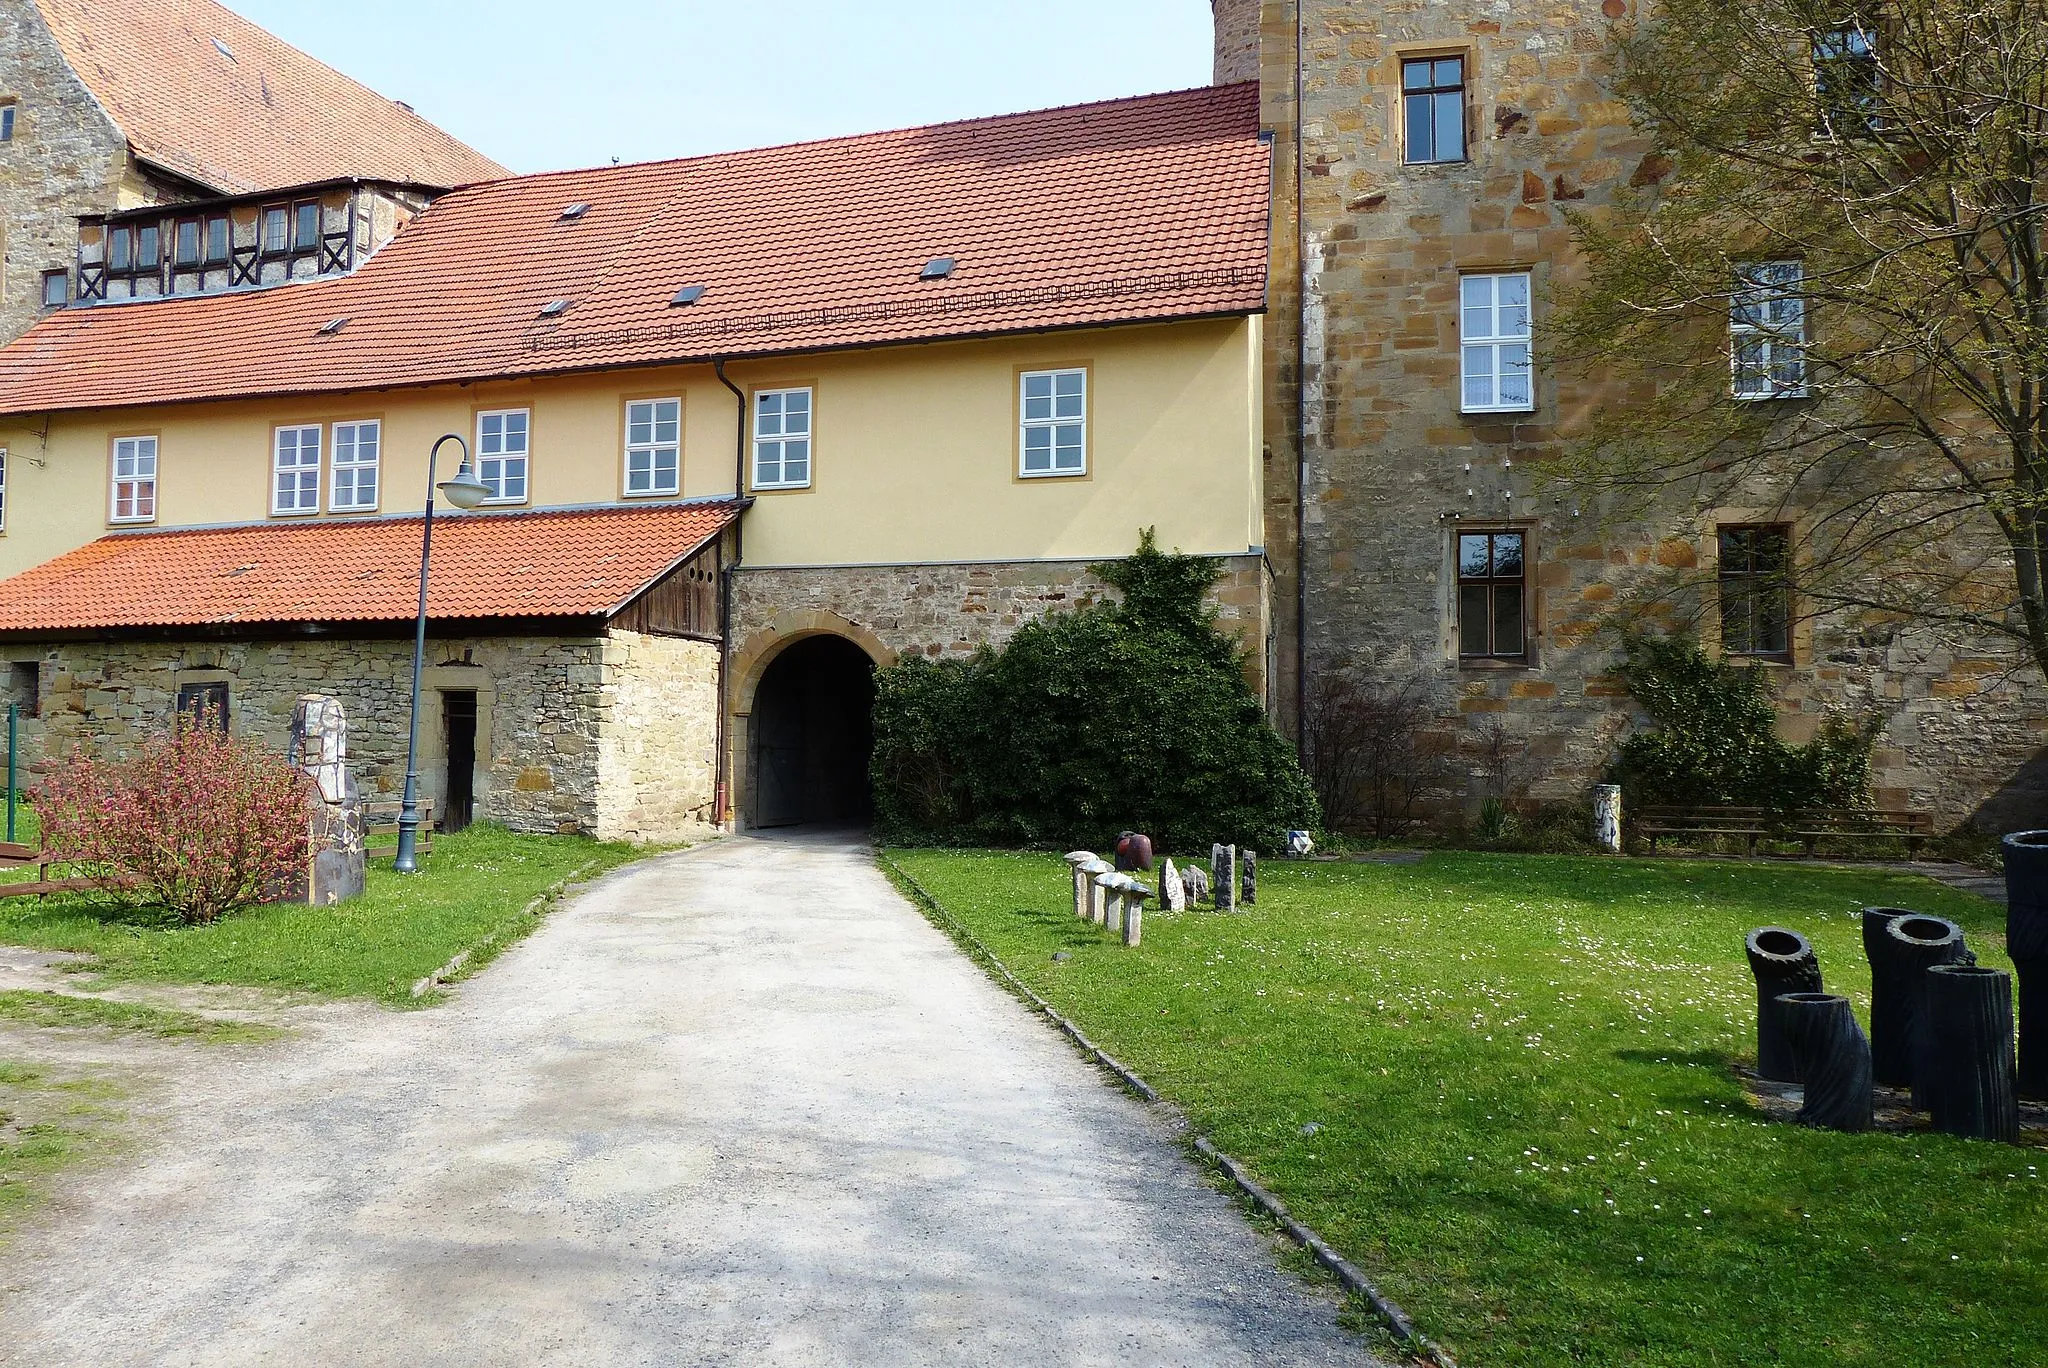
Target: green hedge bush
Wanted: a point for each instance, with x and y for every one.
(1716, 738)
(1131, 714)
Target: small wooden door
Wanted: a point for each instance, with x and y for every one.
(458, 710)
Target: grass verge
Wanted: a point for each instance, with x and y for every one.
(1501, 1085)
(472, 890)
(69, 1010)
(46, 1123)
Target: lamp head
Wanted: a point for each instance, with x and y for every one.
(465, 490)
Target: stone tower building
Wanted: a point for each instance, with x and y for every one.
(1425, 155)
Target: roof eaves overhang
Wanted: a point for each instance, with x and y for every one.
(601, 368)
(734, 510)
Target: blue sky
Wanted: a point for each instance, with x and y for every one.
(540, 85)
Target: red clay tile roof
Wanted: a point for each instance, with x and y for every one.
(581, 563)
(1142, 209)
(260, 116)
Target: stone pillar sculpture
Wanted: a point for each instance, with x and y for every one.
(1134, 912)
(335, 861)
(1913, 945)
(2026, 940)
(1607, 817)
(1109, 901)
(1075, 859)
(1223, 876)
(1970, 1074)
(1195, 883)
(1094, 872)
(1782, 962)
(1248, 879)
(1829, 1051)
(1891, 1048)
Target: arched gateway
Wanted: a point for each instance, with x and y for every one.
(811, 735)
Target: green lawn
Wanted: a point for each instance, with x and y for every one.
(470, 895)
(1501, 1085)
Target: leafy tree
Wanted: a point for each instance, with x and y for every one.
(1842, 220)
(1131, 713)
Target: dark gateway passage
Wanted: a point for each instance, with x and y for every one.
(813, 733)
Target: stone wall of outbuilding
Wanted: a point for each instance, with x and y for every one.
(607, 736)
(657, 757)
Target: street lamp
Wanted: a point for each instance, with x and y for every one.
(464, 491)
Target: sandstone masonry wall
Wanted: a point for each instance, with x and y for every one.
(541, 711)
(657, 756)
(939, 610)
(1367, 390)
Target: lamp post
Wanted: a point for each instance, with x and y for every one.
(464, 491)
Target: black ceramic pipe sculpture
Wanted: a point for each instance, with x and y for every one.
(1829, 1051)
(1783, 963)
(1914, 944)
(2026, 940)
(1969, 1033)
(1891, 1051)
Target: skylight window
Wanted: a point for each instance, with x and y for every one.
(688, 295)
(573, 212)
(332, 326)
(938, 268)
(224, 50)
(555, 308)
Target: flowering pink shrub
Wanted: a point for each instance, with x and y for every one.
(196, 821)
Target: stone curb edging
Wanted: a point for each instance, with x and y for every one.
(447, 972)
(1347, 1274)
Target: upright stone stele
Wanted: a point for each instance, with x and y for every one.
(1248, 879)
(1607, 817)
(1223, 874)
(1173, 894)
(1194, 884)
(335, 862)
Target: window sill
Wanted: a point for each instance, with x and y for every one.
(1052, 474)
(779, 488)
(1495, 663)
(645, 494)
(1496, 412)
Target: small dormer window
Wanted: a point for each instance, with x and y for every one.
(573, 212)
(686, 296)
(938, 268)
(555, 308)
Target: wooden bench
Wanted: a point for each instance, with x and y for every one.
(1808, 826)
(380, 827)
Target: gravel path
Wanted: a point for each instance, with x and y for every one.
(737, 1106)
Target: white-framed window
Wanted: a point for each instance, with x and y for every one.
(502, 452)
(1767, 331)
(1054, 437)
(357, 447)
(782, 439)
(654, 446)
(295, 470)
(134, 492)
(3, 489)
(1495, 367)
